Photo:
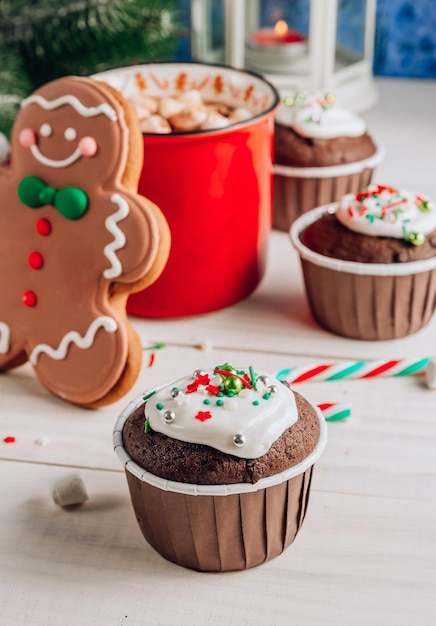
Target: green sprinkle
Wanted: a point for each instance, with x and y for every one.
(220, 394)
(370, 217)
(149, 395)
(206, 401)
(157, 346)
(252, 377)
(256, 402)
(219, 402)
(230, 394)
(147, 425)
(159, 406)
(266, 396)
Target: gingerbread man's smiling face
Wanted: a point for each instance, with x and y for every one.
(68, 133)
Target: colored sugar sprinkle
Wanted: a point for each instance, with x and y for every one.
(206, 401)
(159, 406)
(148, 396)
(9, 439)
(147, 426)
(256, 402)
(219, 402)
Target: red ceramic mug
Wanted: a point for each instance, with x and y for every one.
(213, 186)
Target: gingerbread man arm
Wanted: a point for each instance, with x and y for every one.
(139, 242)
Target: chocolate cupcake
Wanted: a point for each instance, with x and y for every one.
(219, 466)
(321, 152)
(369, 263)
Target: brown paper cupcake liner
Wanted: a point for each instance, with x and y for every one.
(298, 190)
(367, 301)
(218, 534)
(218, 528)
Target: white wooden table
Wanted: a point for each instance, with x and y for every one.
(366, 554)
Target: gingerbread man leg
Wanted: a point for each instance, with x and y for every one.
(74, 368)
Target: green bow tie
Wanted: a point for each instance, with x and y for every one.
(71, 202)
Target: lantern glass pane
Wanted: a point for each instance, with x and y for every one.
(207, 31)
(350, 32)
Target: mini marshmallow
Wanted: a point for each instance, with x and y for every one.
(192, 98)
(141, 109)
(240, 115)
(69, 489)
(169, 106)
(188, 119)
(430, 374)
(215, 120)
(155, 124)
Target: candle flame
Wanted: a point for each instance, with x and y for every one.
(281, 28)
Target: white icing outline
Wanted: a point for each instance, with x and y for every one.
(210, 490)
(5, 333)
(119, 237)
(37, 154)
(82, 341)
(74, 102)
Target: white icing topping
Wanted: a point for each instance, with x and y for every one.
(244, 424)
(5, 333)
(74, 102)
(119, 237)
(83, 342)
(320, 118)
(383, 211)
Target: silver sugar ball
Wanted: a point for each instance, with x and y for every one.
(263, 379)
(169, 416)
(239, 440)
(175, 393)
(198, 373)
(272, 389)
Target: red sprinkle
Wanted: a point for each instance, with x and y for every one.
(9, 439)
(203, 416)
(151, 359)
(227, 374)
(213, 389)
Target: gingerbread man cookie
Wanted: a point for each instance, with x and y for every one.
(76, 239)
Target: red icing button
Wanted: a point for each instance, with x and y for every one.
(43, 227)
(35, 260)
(29, 298)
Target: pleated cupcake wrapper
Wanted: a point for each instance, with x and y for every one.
(301, 189)
(196, 527)
(368, 301)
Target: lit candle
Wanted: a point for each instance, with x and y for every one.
(278, 36)
(271, 49)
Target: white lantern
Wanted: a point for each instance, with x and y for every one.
(309, 45)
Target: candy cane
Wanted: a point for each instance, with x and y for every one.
(335, 411)
(353, 370)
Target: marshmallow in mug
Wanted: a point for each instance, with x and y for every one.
(184, 112)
